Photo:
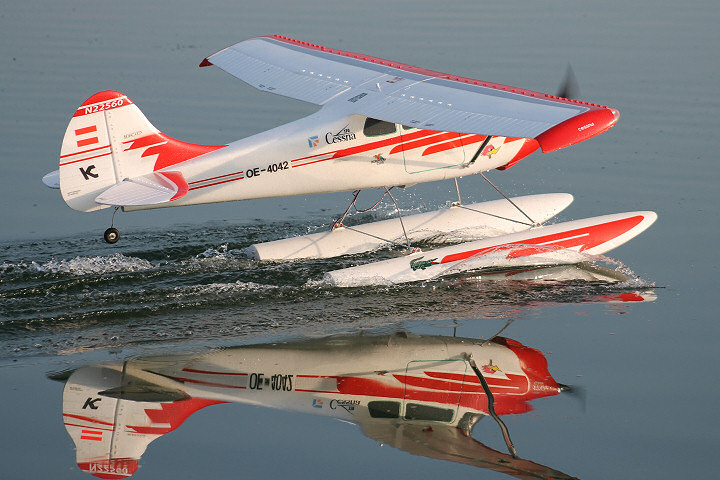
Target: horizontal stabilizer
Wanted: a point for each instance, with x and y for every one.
(52, 179)
(157, 187)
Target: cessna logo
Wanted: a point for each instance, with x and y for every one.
(342, 136)
(421, 264)
(347, 405)
(88, 172)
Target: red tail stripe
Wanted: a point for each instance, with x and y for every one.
(83, 426)
(88, 141)
(86, 158)
(88, 419)
(83, 151)
(85, 130)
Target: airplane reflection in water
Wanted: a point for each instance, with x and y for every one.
(419, 394)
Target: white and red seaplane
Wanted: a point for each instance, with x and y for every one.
(420, 394)
(381, 124)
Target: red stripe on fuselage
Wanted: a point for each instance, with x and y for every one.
(207, 372)
(433, 137)
(213, 184)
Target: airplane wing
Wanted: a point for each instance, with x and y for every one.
(446, 442)
(408, 95)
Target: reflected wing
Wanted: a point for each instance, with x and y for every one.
(409, 95)
(445, 442)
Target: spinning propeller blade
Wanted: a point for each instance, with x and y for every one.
(576, 392)
(570, 87)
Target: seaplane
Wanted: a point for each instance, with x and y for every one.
(381, 125)
(420, 394)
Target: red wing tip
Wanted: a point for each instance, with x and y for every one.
(206, 63)
(577, 129)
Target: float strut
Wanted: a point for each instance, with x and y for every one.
(491, 406)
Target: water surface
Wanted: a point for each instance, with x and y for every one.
(179, 283)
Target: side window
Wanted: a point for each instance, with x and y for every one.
(374, 127)
(384, 409)
(414, 411)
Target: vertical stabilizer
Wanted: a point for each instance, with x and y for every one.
(112, 415)
(109, 140)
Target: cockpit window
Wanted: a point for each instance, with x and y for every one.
(381, 409)
(374, 127)
(414, 411)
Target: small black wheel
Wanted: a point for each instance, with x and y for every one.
(112, 235)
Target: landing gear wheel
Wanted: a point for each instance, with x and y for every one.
(112, 235)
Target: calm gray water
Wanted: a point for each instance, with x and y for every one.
(178, 281)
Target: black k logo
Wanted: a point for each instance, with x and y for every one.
(90, 402)
(87, 172)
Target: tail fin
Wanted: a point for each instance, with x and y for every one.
(111, 432)
(109, 140)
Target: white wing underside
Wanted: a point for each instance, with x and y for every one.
(392, 92)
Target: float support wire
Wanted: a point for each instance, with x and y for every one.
(374, 236)
(496, 216)
(534, 223)
(338, 222)
(407, 240)
(491, 406)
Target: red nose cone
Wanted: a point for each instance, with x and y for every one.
(535, 366)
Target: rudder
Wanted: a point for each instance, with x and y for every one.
(109, 140)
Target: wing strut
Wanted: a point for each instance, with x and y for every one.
(459, 204)
(479, 150)
(533, 222)
(491, 406)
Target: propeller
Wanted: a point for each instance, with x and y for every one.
(577, 392)
(569, 87)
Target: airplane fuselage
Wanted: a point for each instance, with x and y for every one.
(318, 155)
